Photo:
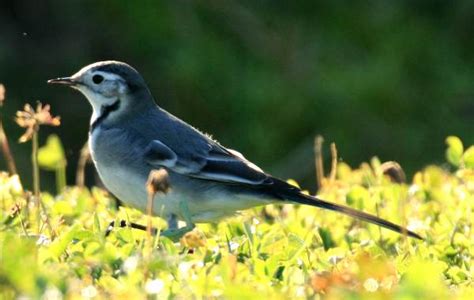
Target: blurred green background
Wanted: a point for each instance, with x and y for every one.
(385, 78)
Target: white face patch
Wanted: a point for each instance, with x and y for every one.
(97, 101)
(103, 92)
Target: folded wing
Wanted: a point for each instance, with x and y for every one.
(214, 162)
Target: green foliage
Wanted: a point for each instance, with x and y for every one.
(277, 251)
(456, 155)
(454, 151)
(468, 157)
(51, 157)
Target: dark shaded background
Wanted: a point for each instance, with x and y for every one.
(386, 78)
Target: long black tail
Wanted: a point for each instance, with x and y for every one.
(298, 197)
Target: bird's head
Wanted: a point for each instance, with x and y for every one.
(109, 84)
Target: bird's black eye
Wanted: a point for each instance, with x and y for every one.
(97, 79)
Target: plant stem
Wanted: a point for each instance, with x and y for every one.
(318, 160)
(36, 185)
(148, 244)
(34, 162)
(333, 162)
(36, 178)
(81, 165)
(61, 177)
(149, 211)
(6, 151)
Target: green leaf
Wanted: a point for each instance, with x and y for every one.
(343, 171)
(468, 158)
(326, 236)
(59, 246)
(278, 275)
(357, 196)
(64, 208)
(295, 246)
(454, 151)
(18, 265)
(51, 156)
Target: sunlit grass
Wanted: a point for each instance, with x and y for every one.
(273, 252)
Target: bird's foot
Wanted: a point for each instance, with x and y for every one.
(176, 234)
(173, 232)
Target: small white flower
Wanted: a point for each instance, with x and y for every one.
(184, 268)
(334, 259)
(412, 190)
(460, 193)
(89, 292)
(154, 286)
(130, 264)
(43, 240)
(371, 285)
(300, 291)
(52, 293)
(253, 229)
(233, 246)
(416, 225)
(298, 277)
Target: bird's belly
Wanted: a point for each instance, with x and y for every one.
(206, 206)
(130, 188)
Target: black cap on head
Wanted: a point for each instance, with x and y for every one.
(134, 80)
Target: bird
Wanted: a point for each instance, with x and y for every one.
(130, 136)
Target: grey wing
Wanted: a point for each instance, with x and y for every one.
(212, 162)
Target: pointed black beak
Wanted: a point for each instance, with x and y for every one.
(63, 80)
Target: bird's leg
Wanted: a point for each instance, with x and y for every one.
(173, 232)
(123, 224)
(172, 222)
(111, 226)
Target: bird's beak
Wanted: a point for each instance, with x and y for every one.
(63, 80)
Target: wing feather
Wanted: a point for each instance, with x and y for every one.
(216, 163)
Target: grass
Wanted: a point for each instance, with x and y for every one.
(272, 252)
(277, 251)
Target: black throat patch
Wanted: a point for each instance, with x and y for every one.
(104, 113)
